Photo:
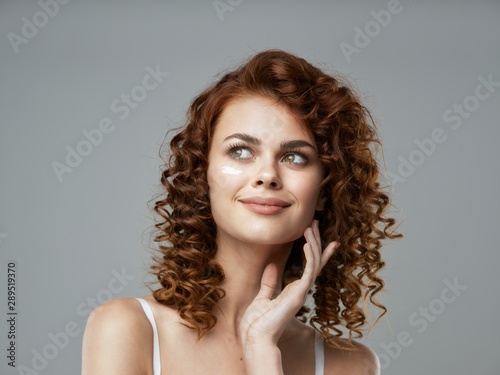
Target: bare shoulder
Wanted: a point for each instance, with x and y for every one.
(113, 333)
(360, 360)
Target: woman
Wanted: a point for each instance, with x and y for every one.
(271, 188)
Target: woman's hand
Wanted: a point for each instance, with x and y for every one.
(265, 318)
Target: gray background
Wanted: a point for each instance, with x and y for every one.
(70, 237)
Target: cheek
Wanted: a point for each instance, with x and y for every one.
(230, 170)
(216, 182)
(224, 180)
(307, 190)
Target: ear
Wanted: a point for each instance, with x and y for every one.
(320, 204)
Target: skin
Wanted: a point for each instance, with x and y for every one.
(263, 242)
(256, 331)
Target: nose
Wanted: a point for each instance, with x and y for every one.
(267, 174)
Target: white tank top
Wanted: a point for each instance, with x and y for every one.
(319, 350)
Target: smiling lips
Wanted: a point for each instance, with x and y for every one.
(266, 206)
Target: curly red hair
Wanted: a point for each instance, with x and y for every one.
(353, 215)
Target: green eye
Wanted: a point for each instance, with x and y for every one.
(240, 153)
(294, 158)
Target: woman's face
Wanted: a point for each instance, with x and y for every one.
(263, 174)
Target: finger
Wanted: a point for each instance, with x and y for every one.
(317, 236)
(268, 282)
(328, 252)
(309, 269)
(315, 240)
(315, 248)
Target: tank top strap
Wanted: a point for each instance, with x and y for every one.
(156, 344)
(319, 354)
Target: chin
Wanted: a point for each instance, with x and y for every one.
(269, 236)
(262, 230)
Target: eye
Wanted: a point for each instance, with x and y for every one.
(295, 158)
(240, 152)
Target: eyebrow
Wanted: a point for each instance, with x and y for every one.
(297, 143)
(244, 137)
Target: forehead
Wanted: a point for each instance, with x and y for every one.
(262, 118)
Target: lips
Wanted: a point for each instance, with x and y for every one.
(265, 205)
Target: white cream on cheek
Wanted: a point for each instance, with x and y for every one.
(227, 169)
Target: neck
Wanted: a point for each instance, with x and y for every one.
(243, 265)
